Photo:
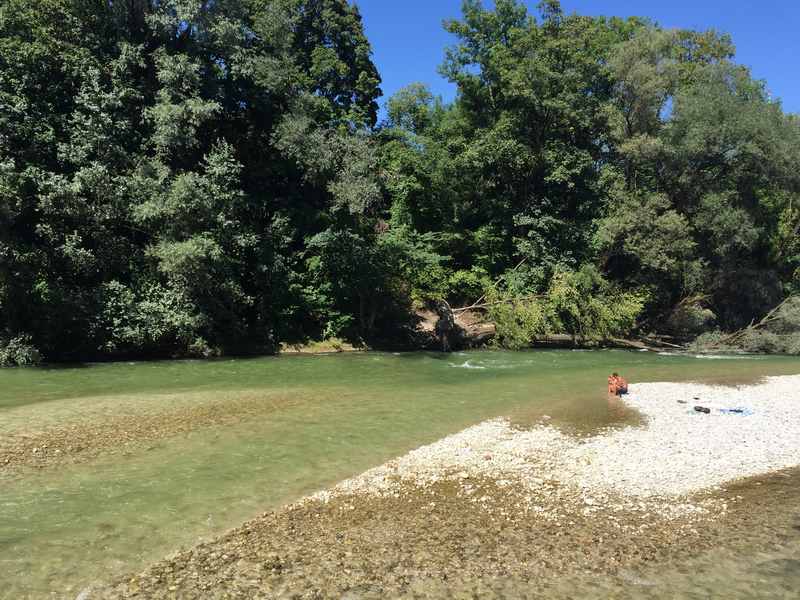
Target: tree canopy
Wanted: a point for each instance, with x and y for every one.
(196, 177)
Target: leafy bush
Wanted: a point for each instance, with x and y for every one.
(19, 352)
(788, 317)
(518, 321)
(578, 303)
(588, 307)
(765, 342)
(786, 328)
(417, 262)
(158, 320)
(468, 284)
(200, 348)
(707, 340)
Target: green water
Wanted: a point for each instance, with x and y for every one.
(61, 529)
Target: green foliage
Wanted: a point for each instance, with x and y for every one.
(766, 342)
(689, 318)
(778, 333)
(151, 318)
(411, 108)
(518, 321)
(756, 342)
(579, 303)
(19, 352)
(196, 178)
(587, 306)
(467, 284)
(355, 286)
(164, 164)
(703, 207)
(646, 243)
(421, 270)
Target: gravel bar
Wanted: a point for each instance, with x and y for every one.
(677, 452)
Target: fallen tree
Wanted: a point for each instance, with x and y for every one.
(778, 331)
(773, 316)
(580, 305)
(479, 324)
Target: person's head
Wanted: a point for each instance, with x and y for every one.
(615, 374)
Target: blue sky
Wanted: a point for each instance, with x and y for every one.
(408, 40)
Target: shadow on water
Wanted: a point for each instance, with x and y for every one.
(58, 366)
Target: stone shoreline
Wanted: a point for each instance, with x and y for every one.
(494, 504)
(677, 452)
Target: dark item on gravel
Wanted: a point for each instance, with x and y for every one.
(702, 409)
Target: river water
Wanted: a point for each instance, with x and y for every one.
(325, 418)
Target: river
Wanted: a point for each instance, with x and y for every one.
(324, 418)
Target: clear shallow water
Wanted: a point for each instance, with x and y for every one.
(758, 556)
(61, 529)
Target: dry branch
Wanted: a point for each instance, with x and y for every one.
(477, 303)
(496, 302)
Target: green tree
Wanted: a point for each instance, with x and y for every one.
(151, 199)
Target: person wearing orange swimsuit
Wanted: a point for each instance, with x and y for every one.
(617, 385)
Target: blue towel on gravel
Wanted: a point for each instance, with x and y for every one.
(743, 412)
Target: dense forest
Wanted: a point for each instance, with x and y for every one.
(206, 177)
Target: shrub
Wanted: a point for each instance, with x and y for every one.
(200, 348)
(153, 319)
(706, 341)
(794, 345)
(466, 285)
(779, 335)
(765, 342)
(578, 303)
(19, 352)
(517, 321)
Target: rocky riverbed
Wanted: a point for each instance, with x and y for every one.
(122, 425)
(497, 510)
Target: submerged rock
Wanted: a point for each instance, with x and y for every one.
(547, 507)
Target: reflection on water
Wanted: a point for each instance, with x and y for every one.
(60, 529)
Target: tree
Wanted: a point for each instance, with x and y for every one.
(151, 187)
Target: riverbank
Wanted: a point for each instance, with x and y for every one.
(493, 505)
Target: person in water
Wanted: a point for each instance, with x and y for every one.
(617, 385)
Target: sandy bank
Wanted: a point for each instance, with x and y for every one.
(494, 504)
